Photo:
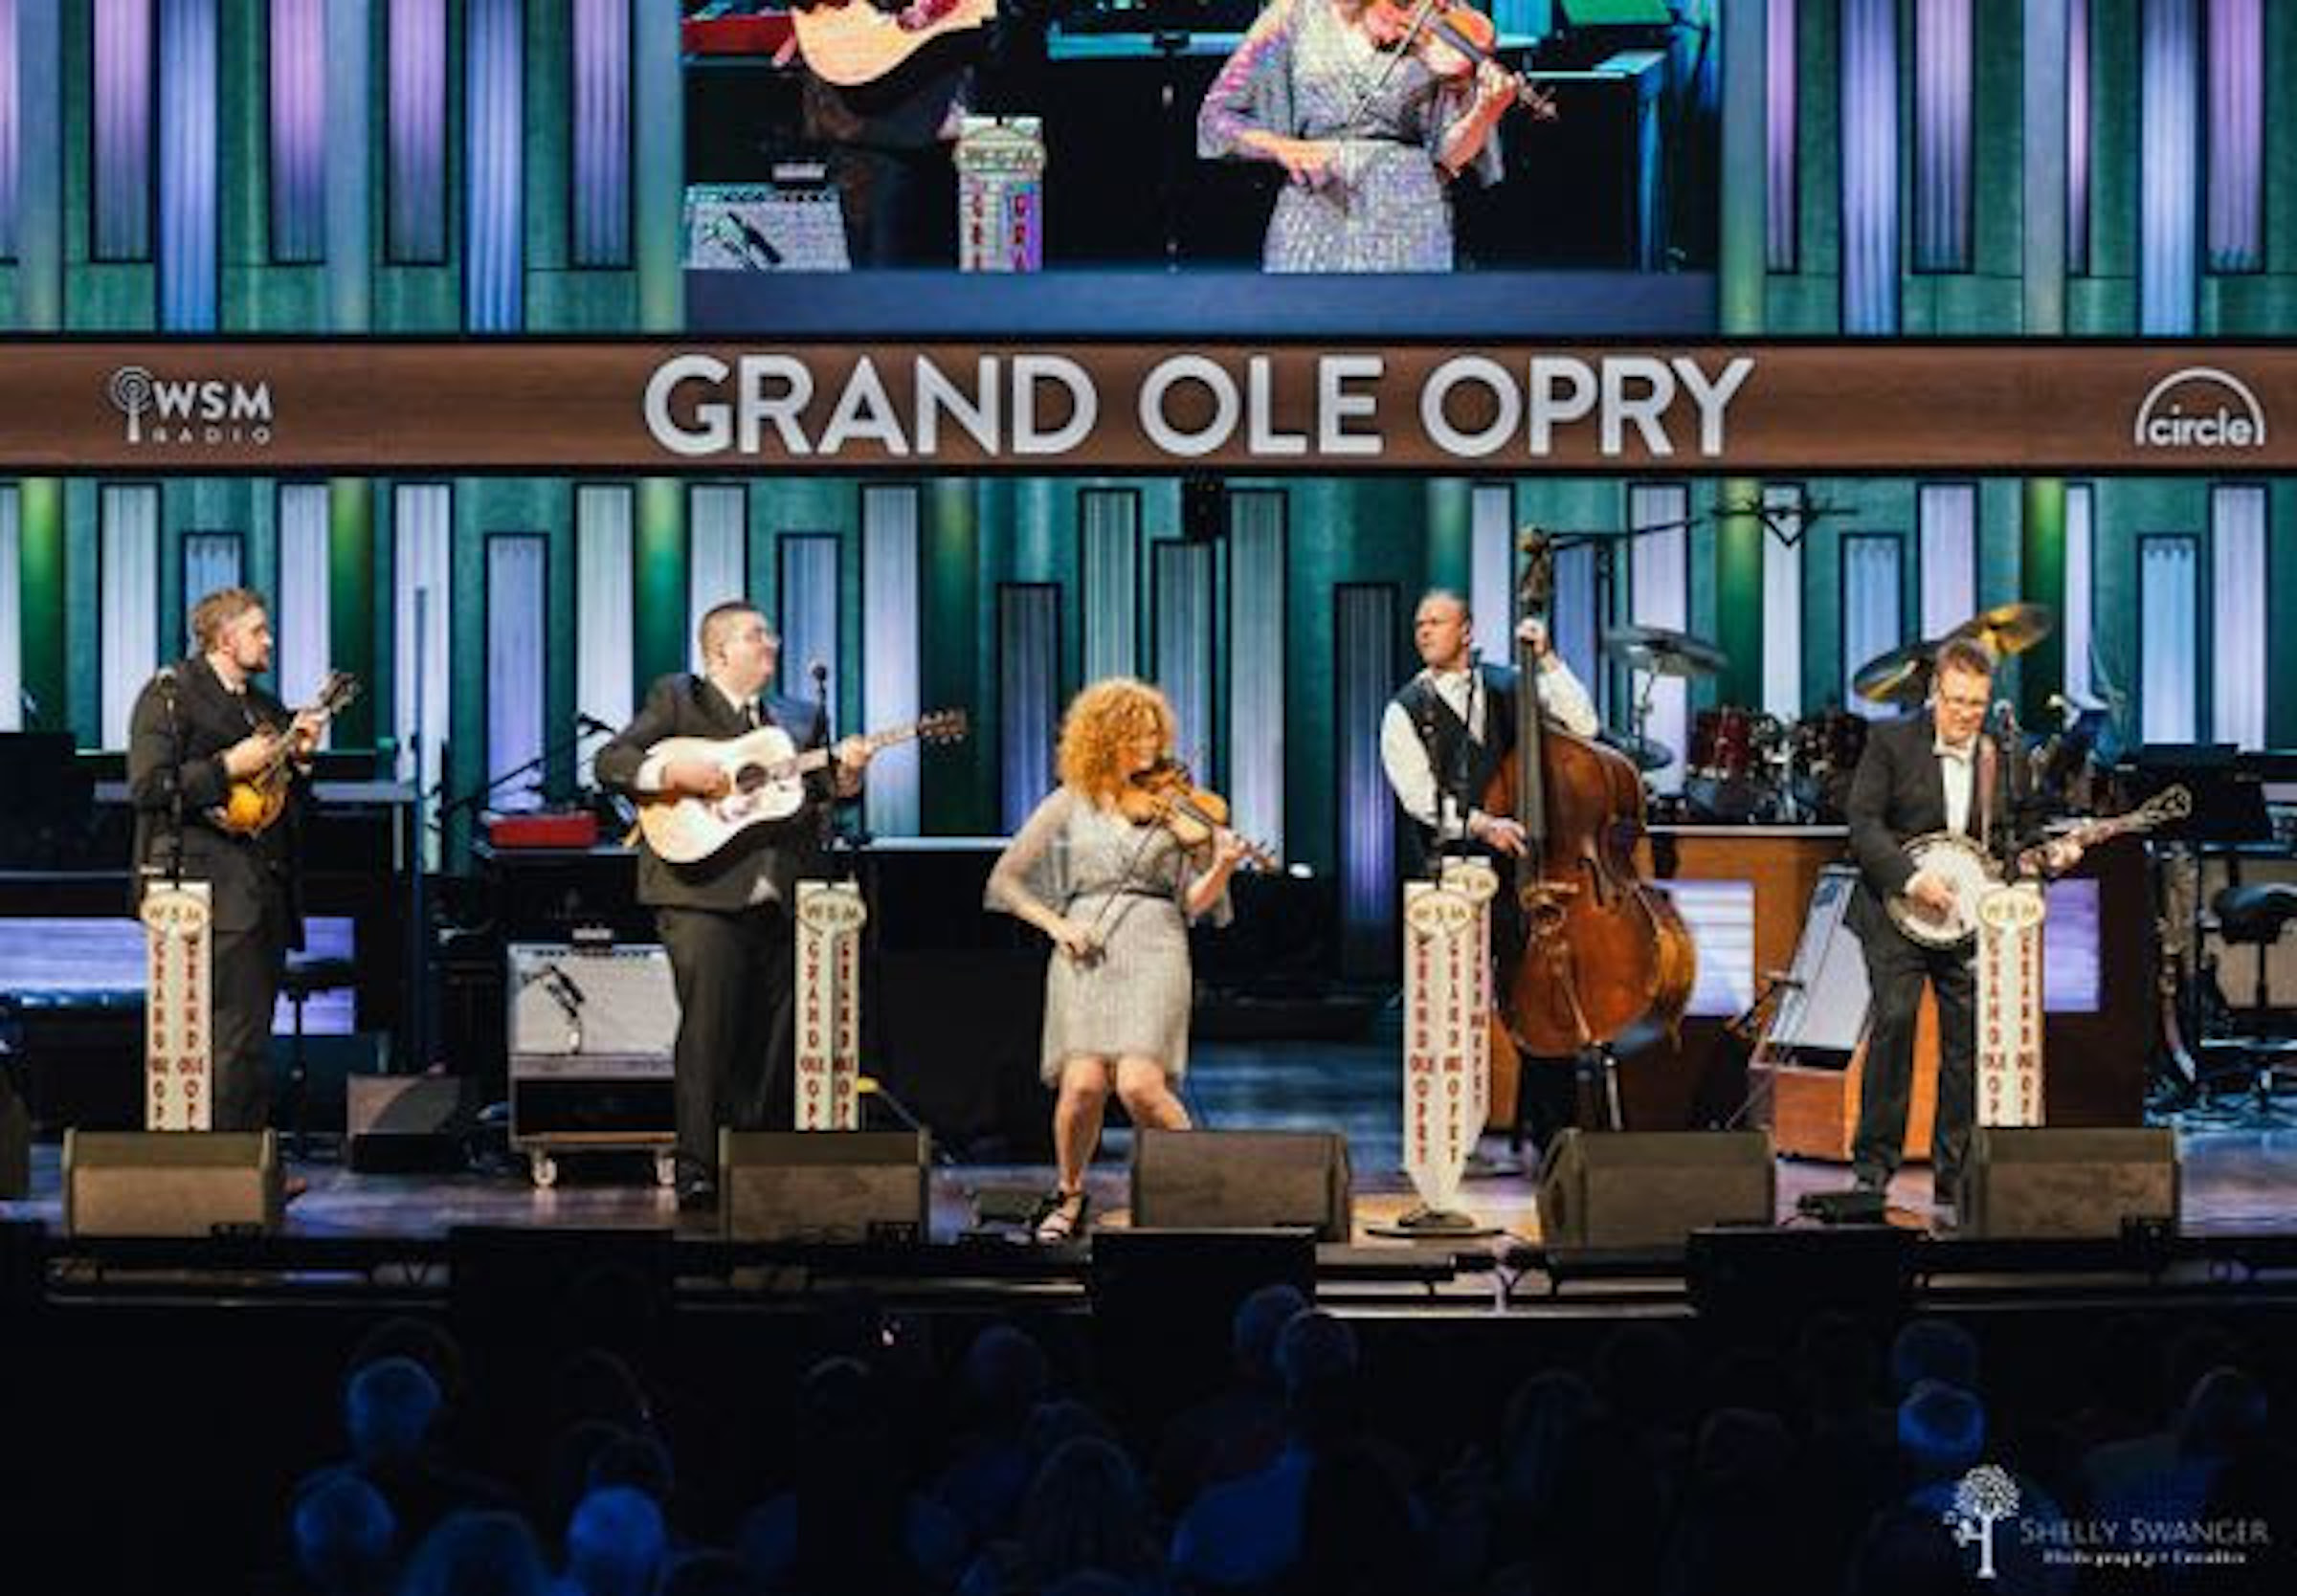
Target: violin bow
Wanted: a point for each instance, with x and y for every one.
(1413, 26)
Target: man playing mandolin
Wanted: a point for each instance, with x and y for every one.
(1930, 772)
(725, 918)
(200, 728)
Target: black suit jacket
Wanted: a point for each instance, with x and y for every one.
(1899, 793)
(248, 876)
(774, 853)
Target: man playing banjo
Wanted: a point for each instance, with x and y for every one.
(1932, 772)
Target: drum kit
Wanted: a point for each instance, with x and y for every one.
(1745, 767)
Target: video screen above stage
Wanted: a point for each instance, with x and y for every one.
(1179, 167)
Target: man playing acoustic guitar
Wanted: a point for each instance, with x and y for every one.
(725, 918)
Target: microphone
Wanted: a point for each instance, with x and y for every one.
(819, 669)
(757, 240)
(591, 723)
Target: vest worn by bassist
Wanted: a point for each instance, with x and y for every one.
(1464, 766)
(1461, 764)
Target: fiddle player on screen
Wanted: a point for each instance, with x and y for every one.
(1370, 124)
(1442, 736)
(1098, 869)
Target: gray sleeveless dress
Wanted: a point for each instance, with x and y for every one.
(1126, 881)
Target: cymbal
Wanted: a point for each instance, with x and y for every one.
(2008, 629)
(1901, 676)
(1664, 652)
(1649, 753)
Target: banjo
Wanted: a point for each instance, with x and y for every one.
(1970, 872)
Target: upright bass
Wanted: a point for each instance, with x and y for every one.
(1603, 947)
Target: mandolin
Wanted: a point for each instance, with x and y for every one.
(765, 781)
(257, 801)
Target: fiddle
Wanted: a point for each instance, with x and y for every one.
(1165, 794)
(1453, 39)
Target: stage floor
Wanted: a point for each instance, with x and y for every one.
(2240, 1170)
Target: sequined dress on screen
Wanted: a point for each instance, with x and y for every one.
(1305, 72)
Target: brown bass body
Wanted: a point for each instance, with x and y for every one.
(1604, 948)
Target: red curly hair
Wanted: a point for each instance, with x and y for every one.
(1101, 722)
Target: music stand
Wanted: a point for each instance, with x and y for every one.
(2229, 796)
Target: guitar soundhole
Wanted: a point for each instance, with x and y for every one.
(750, 777)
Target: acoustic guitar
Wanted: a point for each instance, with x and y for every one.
(257, 801)
(765, 781)
(851, 42)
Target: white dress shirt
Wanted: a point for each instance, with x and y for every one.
(1958, 767)
(1405, 757)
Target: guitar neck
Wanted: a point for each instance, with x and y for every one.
(814, 758)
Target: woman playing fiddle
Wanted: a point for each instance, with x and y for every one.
(1369, 136)
(1101, 871)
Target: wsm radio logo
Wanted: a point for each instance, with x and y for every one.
(2200, 408)
(205, 411)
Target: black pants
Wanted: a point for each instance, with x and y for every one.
(900, 204)
(737, 1040)
(1896, 970)
(244, 990)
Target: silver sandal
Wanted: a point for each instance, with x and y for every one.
(1064, 1217)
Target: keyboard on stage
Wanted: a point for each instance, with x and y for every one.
(733, 28)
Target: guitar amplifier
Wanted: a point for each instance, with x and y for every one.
(592, 1033)
(792, 224)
